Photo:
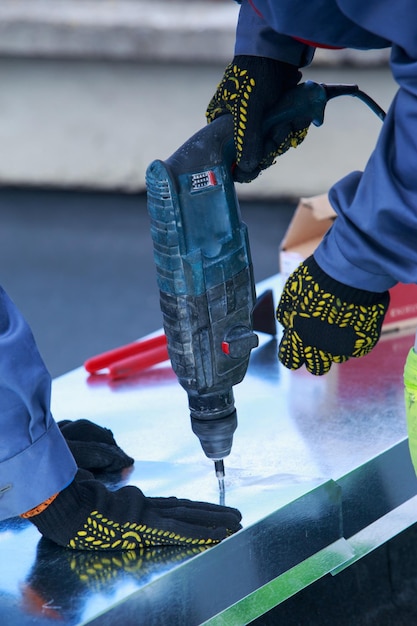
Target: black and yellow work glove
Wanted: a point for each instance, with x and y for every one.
(326, 321)
(249, 89)
(94, 447)
(88, 516)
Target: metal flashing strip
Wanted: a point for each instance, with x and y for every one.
(382, 530)
(339, 555)
(284, 586)
(390, 480)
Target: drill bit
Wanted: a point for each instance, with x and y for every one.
(219, 469)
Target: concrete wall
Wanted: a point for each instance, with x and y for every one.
(94, 90)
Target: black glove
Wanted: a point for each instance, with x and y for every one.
(94, 447)
(87, 516)
(249, 89)
(326, 321)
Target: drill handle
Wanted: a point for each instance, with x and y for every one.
(213, 144)
(306, 103)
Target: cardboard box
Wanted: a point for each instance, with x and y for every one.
(312, 218)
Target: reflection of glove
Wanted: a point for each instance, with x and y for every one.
(248, 90)
(326, 321)
(45, 596)
(87, 516)
(94, 447)
(98, 570)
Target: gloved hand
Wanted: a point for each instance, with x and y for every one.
(88, 516)
(94, 447)
(326, 321)
(249, 89)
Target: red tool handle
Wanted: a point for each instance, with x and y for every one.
(127, 367)
(138, 349)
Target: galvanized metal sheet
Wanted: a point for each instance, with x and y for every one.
(314, 461)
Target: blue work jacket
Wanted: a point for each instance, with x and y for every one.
(35, 461)
(373, 243)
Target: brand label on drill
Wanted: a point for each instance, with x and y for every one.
(202, 180)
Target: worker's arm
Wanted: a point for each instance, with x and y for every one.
(286, 25)
(256, 37)
(35, 461)
(372, 244)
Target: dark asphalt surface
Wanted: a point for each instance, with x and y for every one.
(79, 266)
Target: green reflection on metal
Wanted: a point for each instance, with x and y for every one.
(284, 586)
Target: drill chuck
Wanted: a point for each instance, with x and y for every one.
(214, 421)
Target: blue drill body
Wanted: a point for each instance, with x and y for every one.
(205, 278)
(203, 262)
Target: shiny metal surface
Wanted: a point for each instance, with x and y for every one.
(315, 461)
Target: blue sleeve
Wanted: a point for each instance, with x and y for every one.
(35, 461)
(372, 244)
(255, 38)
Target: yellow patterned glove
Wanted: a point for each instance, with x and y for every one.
(326, 321)
(249, 89)
(88, 516)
